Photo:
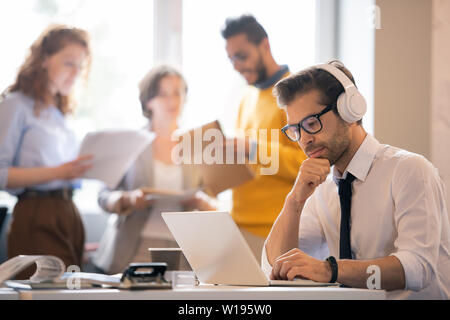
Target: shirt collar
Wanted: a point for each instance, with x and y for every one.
(362, 161)
(273, 79)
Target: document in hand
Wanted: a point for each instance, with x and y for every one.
(170, 196)
(114, 152)
(217, 176)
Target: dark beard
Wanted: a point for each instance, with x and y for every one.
(338, 145)
(261, 70)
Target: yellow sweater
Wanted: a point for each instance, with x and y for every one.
(257, 203)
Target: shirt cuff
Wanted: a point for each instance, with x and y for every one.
(113, 204)
(265, 265)
(413, 270)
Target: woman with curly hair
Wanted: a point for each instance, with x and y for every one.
(38, 152)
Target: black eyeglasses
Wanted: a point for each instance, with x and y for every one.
(311, 124)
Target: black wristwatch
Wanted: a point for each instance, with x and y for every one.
(334, 268)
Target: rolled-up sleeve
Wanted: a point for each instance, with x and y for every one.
(108, 198)
(414, 270)
(419, 203)
(11, 128)
(311, 235)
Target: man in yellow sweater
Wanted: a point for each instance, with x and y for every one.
(257, 203)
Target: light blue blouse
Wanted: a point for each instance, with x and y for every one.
(27, 140)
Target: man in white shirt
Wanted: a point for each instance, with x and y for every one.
(396, 223)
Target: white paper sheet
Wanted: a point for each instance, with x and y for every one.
(169, 196)
(114, 152)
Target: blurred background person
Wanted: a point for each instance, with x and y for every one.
(136, 224)
(257, 203)
(37, 149)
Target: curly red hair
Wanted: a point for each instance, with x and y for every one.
(32, 78)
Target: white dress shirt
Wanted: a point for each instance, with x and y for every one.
(398, 208)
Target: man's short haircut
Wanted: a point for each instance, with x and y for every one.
(245, 24)
(287, 89)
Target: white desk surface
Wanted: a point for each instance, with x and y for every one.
(9, 294)
(209, 292)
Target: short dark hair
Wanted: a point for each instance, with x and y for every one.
(287, 89)
(149, 85)
(246, 24)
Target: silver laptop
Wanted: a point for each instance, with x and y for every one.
(217, 251)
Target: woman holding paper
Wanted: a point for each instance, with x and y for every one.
(137, 223)
(38, 151)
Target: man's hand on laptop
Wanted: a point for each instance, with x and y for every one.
(296, 263)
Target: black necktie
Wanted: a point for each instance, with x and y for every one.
(345, 197)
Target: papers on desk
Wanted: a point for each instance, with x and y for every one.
(50, 274)
(114, 152)
(48, 268)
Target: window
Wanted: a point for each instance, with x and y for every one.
(122, 47)
(215, 88)
(122, 34)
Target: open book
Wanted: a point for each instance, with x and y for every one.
(50, 274)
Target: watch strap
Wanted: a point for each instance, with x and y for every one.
(334, 268)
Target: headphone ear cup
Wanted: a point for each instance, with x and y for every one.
(342, 107)
(351, 108)
(358, 106)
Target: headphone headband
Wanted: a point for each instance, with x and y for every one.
(338, 74)
(351, 105)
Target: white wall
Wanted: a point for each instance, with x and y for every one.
(402, 75)
(412, 79)
(440, 90)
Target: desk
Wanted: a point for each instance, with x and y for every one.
(9, 294)
(209, 292)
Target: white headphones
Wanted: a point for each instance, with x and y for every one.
(351, 105)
